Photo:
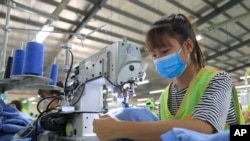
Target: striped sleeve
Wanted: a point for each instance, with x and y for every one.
(216, 103)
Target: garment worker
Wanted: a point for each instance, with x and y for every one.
(198, 98)
(49, 97)
(17, 104)
(247, 114)
(151, 106)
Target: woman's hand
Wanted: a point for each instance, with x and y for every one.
(106, 127)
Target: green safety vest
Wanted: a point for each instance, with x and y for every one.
(192, 97)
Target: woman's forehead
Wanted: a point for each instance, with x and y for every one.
(164, 42)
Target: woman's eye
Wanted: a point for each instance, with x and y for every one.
(153, 55)
(165, 51)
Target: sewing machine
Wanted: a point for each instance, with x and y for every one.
(114, 70)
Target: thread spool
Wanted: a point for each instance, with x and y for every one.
(17, 63)
(8, 67)
(33, 61)
(53, 74)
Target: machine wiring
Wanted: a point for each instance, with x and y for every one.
(38, 119)
(38, 104)
(68, 73)
(36, 122)
(83, 87)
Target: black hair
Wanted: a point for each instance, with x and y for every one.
(17, 104)
(179, 27)
(51, 92)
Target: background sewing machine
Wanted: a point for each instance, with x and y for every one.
(114, 70)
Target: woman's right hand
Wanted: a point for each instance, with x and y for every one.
(106, 127)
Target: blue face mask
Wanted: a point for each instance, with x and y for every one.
(170, 66)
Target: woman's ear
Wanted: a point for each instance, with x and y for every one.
(189, 45)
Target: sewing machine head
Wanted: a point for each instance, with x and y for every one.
(115, 69)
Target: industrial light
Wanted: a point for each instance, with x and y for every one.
(43, 33)
(198, 37)
(24, 101)
(141, 104)
(156, 91)
(242, 86)
(142, 99)
(32, 98)
(143, 82)
(109, 99)
(242, 93)
(34, 102)
(244, 77)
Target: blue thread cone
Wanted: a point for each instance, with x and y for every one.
(53, 74)
(18, 60)
(33, 61)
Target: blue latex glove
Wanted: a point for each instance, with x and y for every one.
(180, 134)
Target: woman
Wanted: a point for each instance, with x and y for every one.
(247, 114)
(50, 97)
(198, 99)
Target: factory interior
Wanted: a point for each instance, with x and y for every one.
(75, 33)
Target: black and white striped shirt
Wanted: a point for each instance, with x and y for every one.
(216, 105)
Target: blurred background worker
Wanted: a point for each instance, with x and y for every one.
(49, 98)
(17, 104)
(247, 114)
(151, 106)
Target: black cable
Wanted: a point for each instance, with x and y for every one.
(39, 102)
(37, 121)
(68, 73)
(47, 108)
(83, 88)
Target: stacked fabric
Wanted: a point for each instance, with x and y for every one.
(11, 121)
(180, 134)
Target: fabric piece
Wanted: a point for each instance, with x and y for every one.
(11, 121)
(180, 134)
(133, 114)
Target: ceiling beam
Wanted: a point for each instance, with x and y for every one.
(225, 51)
(97, 6)
(147, 7)
(239, 67)
(224, 23)
(179, 5)
(99, 18)
(217, 11)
